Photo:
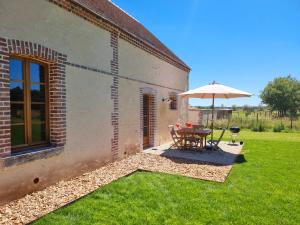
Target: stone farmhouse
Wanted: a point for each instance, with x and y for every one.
(82, 84)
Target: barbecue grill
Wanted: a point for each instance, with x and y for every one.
(235, 133)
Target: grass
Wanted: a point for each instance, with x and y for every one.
(262, 190)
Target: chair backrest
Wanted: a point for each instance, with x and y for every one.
(170, 127)
(172, 131)
(174, 136)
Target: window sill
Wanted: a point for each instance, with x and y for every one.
(29, 156)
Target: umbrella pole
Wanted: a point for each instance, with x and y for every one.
(212, 117)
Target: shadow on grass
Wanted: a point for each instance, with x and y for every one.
(240, 159)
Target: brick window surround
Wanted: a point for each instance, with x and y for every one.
(153, 115)
(57, 89)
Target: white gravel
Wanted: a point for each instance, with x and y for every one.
(37, 204)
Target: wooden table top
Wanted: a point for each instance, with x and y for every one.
(197, 131)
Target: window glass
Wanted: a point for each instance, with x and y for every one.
(38, 93)
(28, 103)
(15, 69)
(38, 113)
(37, 73)
(17, 135)
(38, 133)
(17, 113)
(16, 91)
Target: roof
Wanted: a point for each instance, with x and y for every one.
(115, 15)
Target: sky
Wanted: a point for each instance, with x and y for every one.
(240, 43)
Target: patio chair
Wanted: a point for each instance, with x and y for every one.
(189, 139)
(214, 144)
(193, 142)
(178, 140)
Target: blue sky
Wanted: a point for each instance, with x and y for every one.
(239, 43)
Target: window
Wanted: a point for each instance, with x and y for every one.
(28, 103)
(173, 102)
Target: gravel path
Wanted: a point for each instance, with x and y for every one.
(37, 204)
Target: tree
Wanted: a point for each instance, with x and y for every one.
(283, 94)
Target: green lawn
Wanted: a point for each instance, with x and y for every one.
(263, 190)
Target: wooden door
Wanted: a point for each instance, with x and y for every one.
(146, 121)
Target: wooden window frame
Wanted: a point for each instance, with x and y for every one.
(173, 98)
(27, 104)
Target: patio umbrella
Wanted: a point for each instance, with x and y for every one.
(215, 90)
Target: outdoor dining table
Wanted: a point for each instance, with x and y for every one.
(192, 132)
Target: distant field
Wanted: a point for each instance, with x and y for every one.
(264, 118)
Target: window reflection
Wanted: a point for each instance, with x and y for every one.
(17, 113)
(16, 91)
(16, 69)
(37, 93)
(36, 73)
(38, 133)
(17, 135)
(37, 113)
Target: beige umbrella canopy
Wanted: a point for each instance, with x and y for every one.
(215, 90)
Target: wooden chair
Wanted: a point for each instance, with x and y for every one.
(178, 140)
(214, 143)
(198, 138)
(189, 139)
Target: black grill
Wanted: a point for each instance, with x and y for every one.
(235, 130)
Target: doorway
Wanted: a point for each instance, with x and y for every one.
(146, 120)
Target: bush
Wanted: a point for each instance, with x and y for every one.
(289, 130)
(278, 127)
(258, 127)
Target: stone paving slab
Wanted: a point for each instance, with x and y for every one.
(226, 156)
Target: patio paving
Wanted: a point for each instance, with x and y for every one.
(227, 156)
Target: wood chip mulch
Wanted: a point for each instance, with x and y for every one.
(37, 204)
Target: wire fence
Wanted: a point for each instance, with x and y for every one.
(259, 121)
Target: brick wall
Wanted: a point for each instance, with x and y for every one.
(115, 96)
(57, 89)
(4, 100)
